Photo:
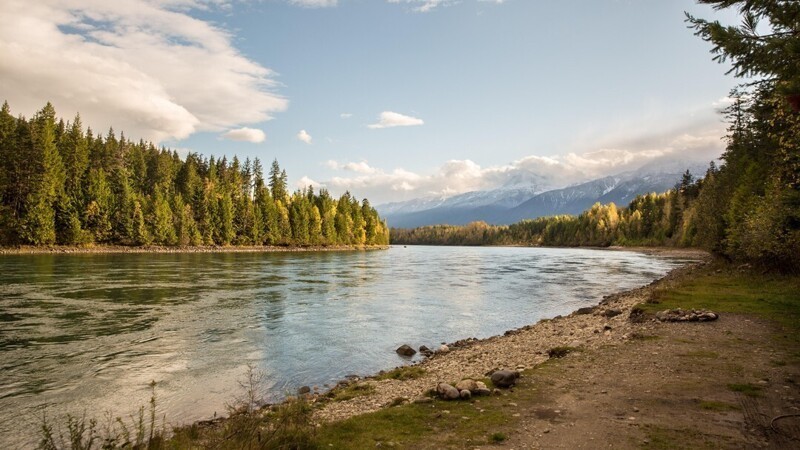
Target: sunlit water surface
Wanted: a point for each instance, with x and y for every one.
(89, 332)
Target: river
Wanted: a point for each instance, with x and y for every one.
(89, 332)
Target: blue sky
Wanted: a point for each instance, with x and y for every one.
(486, 91)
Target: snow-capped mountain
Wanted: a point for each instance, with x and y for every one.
(511, 204)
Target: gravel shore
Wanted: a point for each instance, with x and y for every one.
(605, 325)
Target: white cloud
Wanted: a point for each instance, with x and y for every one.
(304, 136)
(345, 115)
(425, 5)
(305, 182)
(389, 119)
(144, 66)
(314, 3)
(245, 135)
(459, 176)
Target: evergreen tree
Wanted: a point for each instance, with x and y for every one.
(277, 182)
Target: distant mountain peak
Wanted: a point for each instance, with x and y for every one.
(528, 196)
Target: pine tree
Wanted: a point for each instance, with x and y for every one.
(163, 221)
(772, 55)
(141, 236)
(277, 182)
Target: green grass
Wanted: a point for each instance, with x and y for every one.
(402, 373)
(560, 352)
(497, 438)
(352, 391)
(435, 425)
(771, 296)
(710, 405)
(747, 389)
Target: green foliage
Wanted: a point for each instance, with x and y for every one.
(560, 352)
(59, 184)
(747, 389)
(352, 391)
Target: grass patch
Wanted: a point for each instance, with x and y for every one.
(497, 438)
(560, 352)
(709, 405)
(770, 296)
(747, 389)
(352, 391)
(402, 373)
(643, 337)
(433, 425)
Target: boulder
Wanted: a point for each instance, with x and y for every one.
(505, 378)
(444, 348)
(447, 392)
(469, 385)
(405, 350)
(482, 389)
(611, 313)
(304, 390)
(466, 394)
(587, 310)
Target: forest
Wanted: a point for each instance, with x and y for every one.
(746, 209)
(63, 185)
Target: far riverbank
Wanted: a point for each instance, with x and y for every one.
(117, 249)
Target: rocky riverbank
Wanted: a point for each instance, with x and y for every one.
(607, 324)
(109, 249)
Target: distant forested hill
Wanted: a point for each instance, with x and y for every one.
(61, 184)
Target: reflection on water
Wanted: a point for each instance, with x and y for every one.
(91, 331)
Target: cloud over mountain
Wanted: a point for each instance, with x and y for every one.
(460, 176)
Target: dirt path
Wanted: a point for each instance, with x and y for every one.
(677, 385)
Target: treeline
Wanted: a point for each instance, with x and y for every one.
(652, 219)
(62, 185)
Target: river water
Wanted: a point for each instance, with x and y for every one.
(90, 332)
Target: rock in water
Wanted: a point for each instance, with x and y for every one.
(406, 350)
(447, 392)
(304, 390)
(468, 385)
(504, 378)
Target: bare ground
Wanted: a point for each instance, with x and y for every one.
(675, 386)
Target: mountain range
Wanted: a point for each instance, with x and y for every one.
(528, 200)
